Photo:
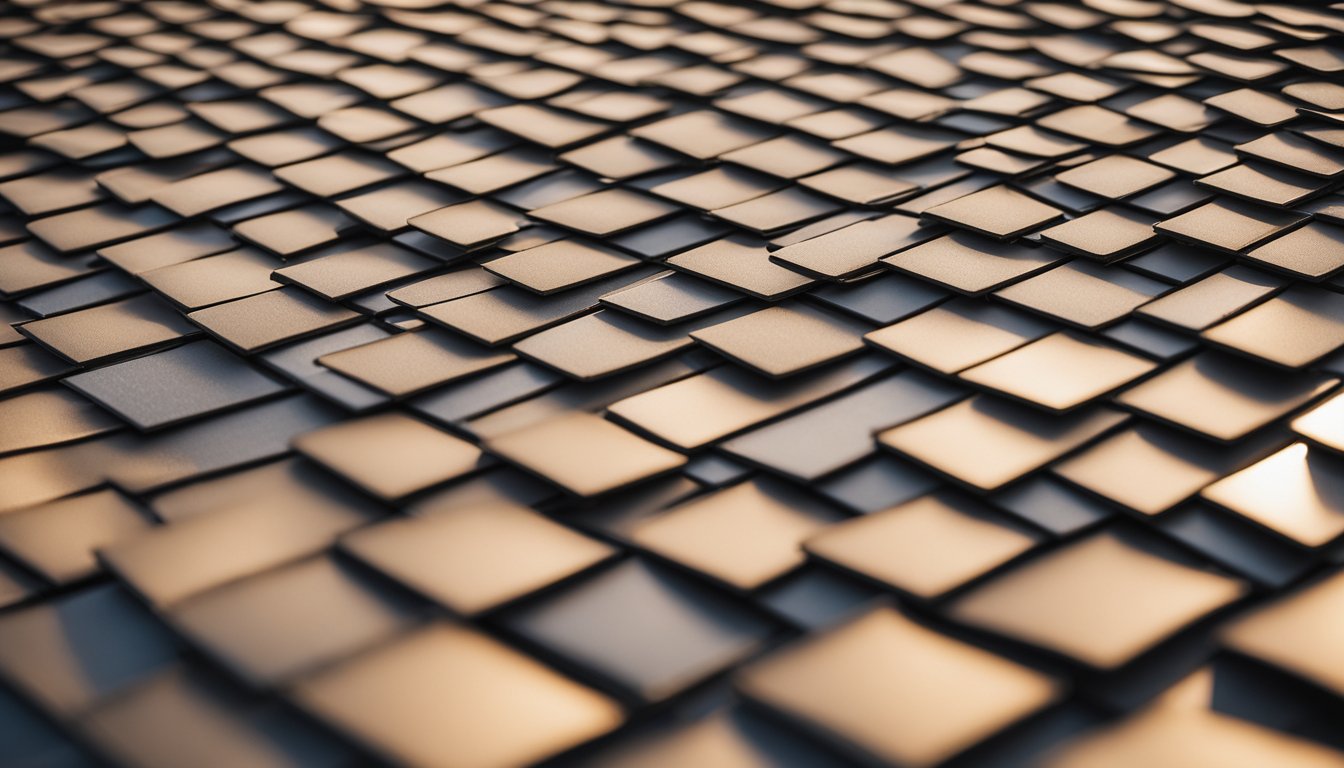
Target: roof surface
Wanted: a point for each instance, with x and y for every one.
(671, 383)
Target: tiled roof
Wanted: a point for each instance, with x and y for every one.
(661, 383)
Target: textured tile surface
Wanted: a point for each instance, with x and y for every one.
(671, 383)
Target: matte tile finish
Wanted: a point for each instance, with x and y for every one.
(670, 383)
(471, 688)
(853, 682)
(181, 384)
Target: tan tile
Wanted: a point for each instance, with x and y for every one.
(1101, 600)
(1296, 492)
(1180, 725)
(895, 690)
(959, 334)
(1299, 632)
(475, 557)
(1223, 397)
(584, 454)
(744, 536)
(988, 443)
(390, 455)
(1060, 372)
(926, 547)
(412, 362)
(448, 695)
(785, 340)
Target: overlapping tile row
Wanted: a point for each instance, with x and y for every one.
(671, 383)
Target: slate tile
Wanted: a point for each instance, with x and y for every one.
(98, 226)
(68, 654)
(456, 669)
(1042, 600)
(988, 443)
(257, 322)
(1059, 372)
(1264, 184)
(784, 340)
(1292, 329)
(860, 662)
(26, 365)
(671, 297)
(604, 213)
(744, 536)
(341, 271)
(926, 547)
(1237, 545)
(607, 343)
(496, 172)
(151, 563)
(1318, 424)
(704, 134)
(175, 246)
(473, 558)
(29, 266)
(1175, 465)
(1105, 235)
(1184, 719)
(680, 413)
(957, 335)
(1223, 397)
(505, 314)
(408, 363)
(410, 456)
(1293, 633)
(663, 632)
(972, 264)
(296, 618)
(559, 265)
(1082, 294)
(58, 540)
(741, 262)
(880, 298)
(1115, 176)
(1129, 188)
(1213, 299)
(541, 125)
(1313, 252)
(859, 184)
(339, 173)
(897, 147)
(1302, 504)
(216, 189)
(836, 434)
(215, 721)
(95, 334)
(584, 454)
(181, 384)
